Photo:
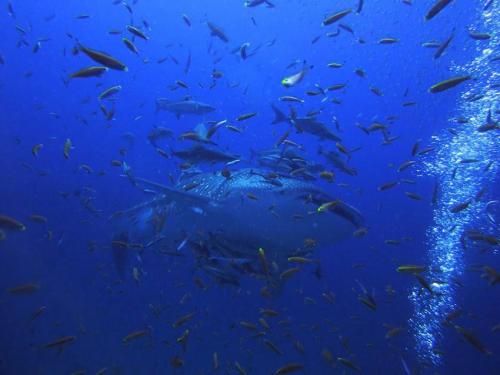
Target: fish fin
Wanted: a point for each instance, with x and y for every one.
(175, 194)
(279, 116)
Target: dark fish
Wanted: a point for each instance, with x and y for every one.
(360, 6)
(460, 207)
(103, 58)
(217, 32)
(289, 368)
(479, 36)
(130, 45)
(472, 339)
(137, 32)
(7, 222)
(443, 47)
(186, 20)
(335, 17)
(436, 8)
(188, 64)
(448, 84)
(346, 28)
(60, 342)
(10, 10)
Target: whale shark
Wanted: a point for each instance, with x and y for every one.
(235, 217)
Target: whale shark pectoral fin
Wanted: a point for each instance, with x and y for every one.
(173, 194)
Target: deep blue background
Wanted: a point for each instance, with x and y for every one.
(79, 286)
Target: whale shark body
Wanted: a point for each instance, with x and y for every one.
(225, 220)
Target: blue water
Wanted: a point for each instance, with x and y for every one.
(80, 289)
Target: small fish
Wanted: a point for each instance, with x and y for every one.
(38, 312)
(327, 175)
(36, 149)
(103, 58)
(183, 319)
(91, 71)
(272, 346)
(436, 8)
(335, 17)
(472, 339)
(301, 260)
(288, 273)
(109, 92)
(217, 32)
(288, 98)
(448, 84)
(60, 342)
(289, 368)
(186, 20)
(360, 72)
(246, 116)
(423, 282)
(38, 218)
(240, 369)
(460, 207)
(479, 36)
(387, 186)
(9, 223)
(263, 261)
(327, 205)
(67, 148)
(296, 78)
(360, 232)
(440, 50)
(348, 363)
(411, 268)
(413, 196)
(130, 45)
(135, 335)
(24, 289)
(393, 332)
(388, 41)
(406, 165)
(137, 32)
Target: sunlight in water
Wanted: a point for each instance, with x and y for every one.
(457, 182)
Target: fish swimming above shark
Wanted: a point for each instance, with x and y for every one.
(286, 160)
(235, 218)
(204, 154)
(183, 107)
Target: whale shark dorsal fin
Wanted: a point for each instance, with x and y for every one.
(173, 194)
